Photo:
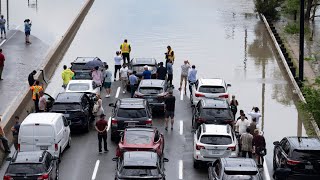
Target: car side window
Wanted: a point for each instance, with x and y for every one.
(65, 121)
(48, 161)
(285, 145)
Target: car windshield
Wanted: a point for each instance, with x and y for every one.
(65, 106)
(131, 113)
(150, 90)
(212, 89)
(26, 168)
(216, 140)
(79, 87)
(139, 171)
(306, 154)
(216, 113)
(138, 137)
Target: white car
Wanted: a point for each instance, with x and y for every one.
(213, 141)
(83, 86)
(209, 88)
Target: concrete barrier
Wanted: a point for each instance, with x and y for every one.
(25, 105)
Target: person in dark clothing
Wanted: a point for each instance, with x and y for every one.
(101, 127)
(170, 102)
(234, 106)
(259, 146)
(242, 114)
(2, 59)
(4, 140)
(170, 73)
(31, 79)
(161, 72)
(146, 74)
(15, 132)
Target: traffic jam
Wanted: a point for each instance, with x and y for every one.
(222, 143)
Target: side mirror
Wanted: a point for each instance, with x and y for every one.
(115, 159)
(111, 105)
(229, 85)
(276, 143)
(9, 159)
(165, 160)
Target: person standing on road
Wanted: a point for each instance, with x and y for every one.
(101, 127)
(184, 75)
(253, 126)
(2, 59)
(133, 80)
(66, 75)
(42, 102)
(169, 55)
(242, 125)
(98, 108)
(124, 77)
(146, 73)
(242, 114)
(117, 64)
(170, 73)
(161, 72)
(259, 146)
(169, 102)
(125, 51)
(234, 106)
(36, 88)
(255, 114)
(4, 140)
(31, 79)
(192, 77)
(107, 81)
(3, 27)
(15, 132)
(96, 76)
(246, 144)
(27, 30)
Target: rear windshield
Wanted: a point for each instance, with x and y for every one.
(26, 168)
(132, 113)
(242, 177)
(65, 106)
(138, 137)
(212, 89)
(79, 87)
(150, 90)
(306, 155)
(215, 140)
(140, 68)
(78, 66)
(139, 171)
(223, 113)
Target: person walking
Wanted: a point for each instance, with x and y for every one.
(98, 108)
(101, 127)
(133, 80)
(242, 125)
(146, 74)
(42, 102)
(27, 30)
(184, 75)
(15, 132)
(259, 146)
(192, 77)
(161, 72)
(169, 55)
(31, 79)
(96, 76)
(125, 51)
(255, 114)
(107, 81)
(170, 73)
(3, 27)
(234, 106)
(4, 140)
(253, 126)
(36, 88)
(66, 75)
(124, 77)
(246, 144)
(117, 64)
(169, 102)
(2, 59)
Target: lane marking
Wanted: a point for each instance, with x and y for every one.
(118, 91)
(265, 170)
(180, 169)
(181, 94)
(181, 127)
(17, 27)
(95, 170)
(109, 123)
(3, 42)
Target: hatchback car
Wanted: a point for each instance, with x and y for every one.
(129, 112)
(212, 111)
(300, 154)
(39, 165)
(137, 64)
(78, 66)
(233, 168)
(141, 139)
(140, 165)
(83, 86)
(212, 142)
(77, 108)
(154, 91)
(209, 88)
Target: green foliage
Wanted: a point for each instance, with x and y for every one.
(291, 7)
(312, 96)
(294, 28)
(269, 8)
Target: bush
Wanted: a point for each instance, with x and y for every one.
(294, 28)
(269, 8)
(312, 97)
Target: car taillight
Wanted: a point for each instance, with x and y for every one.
(44, 177)
(149, 122)
(199, 95)
(200, 120)
(199, 147)
(232, 148)
(229, 121)
(114, 122)
(56, 147)
(292, 162)
(7, 178)
(224, 96)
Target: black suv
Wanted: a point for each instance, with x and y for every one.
(79, 68)
(300, 154)
(211, 111)
(140, 165)
(129, 112)
(32, 165)
(76, 107)
(154, 91)
(233, 168)
(137, 64)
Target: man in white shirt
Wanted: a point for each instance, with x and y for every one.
(184, 75)
(117, 64)
(124, 77)
(255, 114)
(242, 125)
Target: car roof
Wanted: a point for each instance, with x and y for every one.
(304, 143)
(84, 59)
(244, 164)
(43, 118)
(80, 81)
(140, 158)
(214, 103)
(216, 129)
(212, 81)
(144, 61)
(28, 157)
(132, 103)
(69, 97)
(152, 83)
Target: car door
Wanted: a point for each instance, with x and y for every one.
(196, 115)
(50, 166)
(282, 152)
(217, 171)
(50, 100)
(86, 107)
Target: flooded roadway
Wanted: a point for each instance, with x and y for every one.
(222, 38)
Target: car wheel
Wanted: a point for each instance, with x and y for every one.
(69, 143)
(195, 165)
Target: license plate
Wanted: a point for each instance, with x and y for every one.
(214, 151)
(66, 115)
(43, 147)
(131, 124)
(309, 166)
(149, 100)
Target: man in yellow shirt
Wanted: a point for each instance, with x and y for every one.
(125, 50)
(36, 88)
(67, 75)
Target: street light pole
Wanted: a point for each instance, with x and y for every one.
(301, 51)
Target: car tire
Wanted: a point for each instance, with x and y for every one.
(195, 165)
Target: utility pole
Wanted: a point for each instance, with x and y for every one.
(301, 51)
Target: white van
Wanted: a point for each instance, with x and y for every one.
(44, 131)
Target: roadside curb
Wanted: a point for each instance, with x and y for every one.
(288, 70)
(25, 105)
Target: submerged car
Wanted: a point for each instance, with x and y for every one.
(137, 64)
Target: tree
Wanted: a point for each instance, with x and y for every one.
(292, 7)
(308, 9)
(269, 8)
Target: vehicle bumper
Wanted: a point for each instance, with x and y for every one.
(77, 125)
(198, 157)
(157, 106)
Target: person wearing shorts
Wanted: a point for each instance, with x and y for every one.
(107, 81)
(27, 30)
(169, 101)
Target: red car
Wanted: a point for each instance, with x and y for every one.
(141, 139)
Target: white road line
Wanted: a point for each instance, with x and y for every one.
(95, 170)
(180, 169)
(109, 124)
(3, 42)
(8, 38)
(265, 170)
(17, 27)
(181, 127)
(181, 95)
(118, 91)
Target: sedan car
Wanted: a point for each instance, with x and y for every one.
(40, 165)
(140, 165)
(83, 86)
(137, 64)
(141, 139)
(81, 71)
(233, 168)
